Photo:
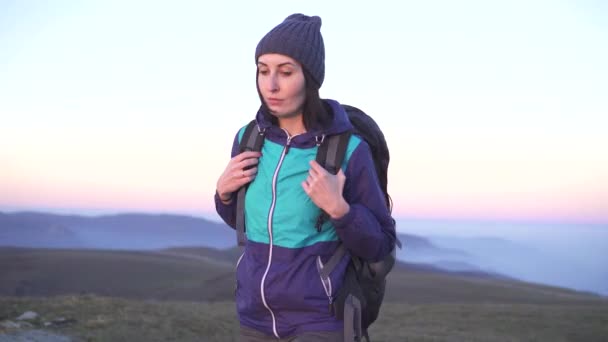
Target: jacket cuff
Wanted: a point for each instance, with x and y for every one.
(221, 206)
(218, 200)
(346, 220)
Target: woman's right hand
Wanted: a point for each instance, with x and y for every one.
(240, 170)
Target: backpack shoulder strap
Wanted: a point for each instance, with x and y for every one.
(333, 261)
(330, 155)
(252, 140)
(332, 150)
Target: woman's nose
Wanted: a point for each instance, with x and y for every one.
(273, 84)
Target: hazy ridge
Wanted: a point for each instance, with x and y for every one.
(481, 256)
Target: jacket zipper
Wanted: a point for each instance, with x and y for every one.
(239, 260)
(270, 214)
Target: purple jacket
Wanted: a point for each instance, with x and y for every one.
(279, 289)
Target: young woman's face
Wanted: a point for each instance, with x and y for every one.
(282, 85)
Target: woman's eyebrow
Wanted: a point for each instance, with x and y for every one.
(280, 65)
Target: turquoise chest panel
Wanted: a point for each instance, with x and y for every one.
(276, 205)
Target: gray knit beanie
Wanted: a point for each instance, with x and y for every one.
(299, 37)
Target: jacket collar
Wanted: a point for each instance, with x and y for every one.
(339, 124)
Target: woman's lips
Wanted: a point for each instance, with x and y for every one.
(274, 102)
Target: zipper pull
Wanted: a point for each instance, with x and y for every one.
(319, 224)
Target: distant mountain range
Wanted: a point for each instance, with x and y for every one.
(477, 256)
(140, 232)
(123, 231)
(132, 231)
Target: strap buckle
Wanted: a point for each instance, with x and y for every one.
(321, 140)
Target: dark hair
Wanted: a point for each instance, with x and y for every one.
(315, 112)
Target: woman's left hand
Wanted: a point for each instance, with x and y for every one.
(325, 190)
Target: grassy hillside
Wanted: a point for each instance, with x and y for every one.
(112, 319)
(186, 294)
(128, 274)
(424, 287)
(203, 274)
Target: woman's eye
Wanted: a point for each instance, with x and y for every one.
(286, 73)
(263, 72)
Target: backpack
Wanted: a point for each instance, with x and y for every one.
(359, 299)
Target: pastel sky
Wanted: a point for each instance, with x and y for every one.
(493, 110)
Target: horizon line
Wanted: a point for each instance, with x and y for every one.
(212, 216)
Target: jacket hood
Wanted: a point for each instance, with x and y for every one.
(339, 124)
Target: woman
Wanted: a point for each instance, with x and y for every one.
(280, 294)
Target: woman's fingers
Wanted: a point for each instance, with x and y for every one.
(242, 163)
(249, 173)
(318, 170)
(241, 169)
(316, 173)
(324, 188)
(247, 163)
(246, 155)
